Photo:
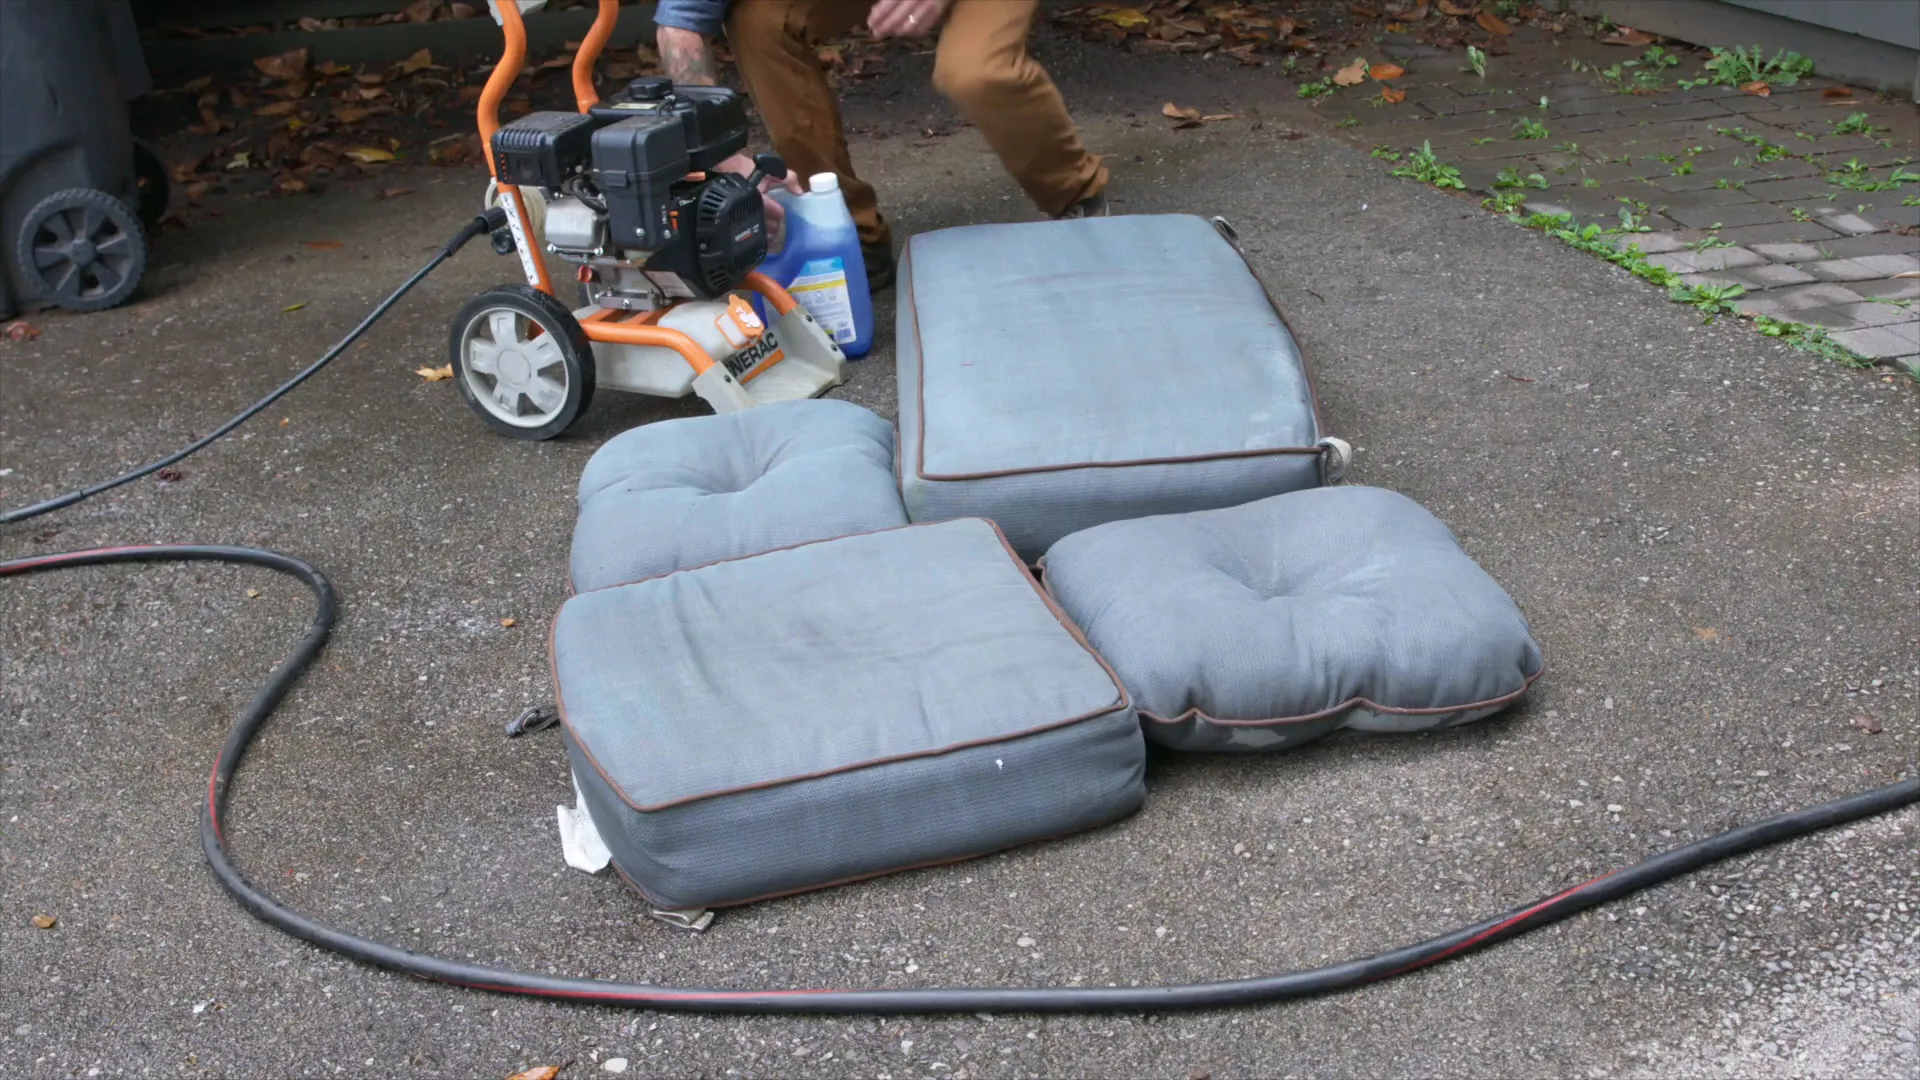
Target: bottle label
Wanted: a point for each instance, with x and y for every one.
(821, 288)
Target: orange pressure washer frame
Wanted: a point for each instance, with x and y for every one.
(607, 324)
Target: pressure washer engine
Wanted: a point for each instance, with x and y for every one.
(627, 192)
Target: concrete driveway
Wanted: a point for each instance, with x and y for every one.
(1717, 541)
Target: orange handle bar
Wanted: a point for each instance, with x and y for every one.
(583, 61)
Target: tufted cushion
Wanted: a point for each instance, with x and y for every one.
(834, 711)
(1264, 626)
(685, 492)
(1056, 375)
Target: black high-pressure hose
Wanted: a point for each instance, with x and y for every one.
(1299, 984)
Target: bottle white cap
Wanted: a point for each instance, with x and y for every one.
(823, 181)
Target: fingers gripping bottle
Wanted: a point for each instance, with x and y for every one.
(820, 264)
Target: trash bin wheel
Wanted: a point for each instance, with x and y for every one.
(82, 249)
(155, 189)
(522, 362)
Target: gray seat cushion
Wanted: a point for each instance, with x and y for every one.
(835, 711)
(680, 493)
(1057, 375)
(1264, 626)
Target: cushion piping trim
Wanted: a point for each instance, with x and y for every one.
(920, 361)
(1120, 705)
(1357, 701)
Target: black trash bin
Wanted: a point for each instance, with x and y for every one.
(78, 194)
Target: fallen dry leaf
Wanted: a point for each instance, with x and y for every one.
(1391, 96)
(419, 61)
(278, 108)
(1865, 722)
(1125, 18)
(293, 307)
(1456, 10)
(1627, 35)
(349, 114)
(331, 68)
(253, 594)
(1493, 24)
(1837, 91)
(1352, 75)
(323, 245)
(287, 66)
(45, 922)
(1757, 87)
(1364, 12)
(169, 475)
(1908, 274)
(21, 330)
(1412, 14)
(1706, 633)
(367, 155)
(395, 192)
(1176, 112)
(1383, 72)
(509, 623)
(1516, 378)
(420, 11)
(194, 86)
(435, 374)
(1217, 117)
(538, 1072)
(462, 11)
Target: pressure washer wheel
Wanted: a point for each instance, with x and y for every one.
(82, 249)
(522, 362)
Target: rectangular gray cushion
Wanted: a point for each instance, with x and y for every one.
(684, 492)
(1057, 375)
(1264, 626)
(834, 711)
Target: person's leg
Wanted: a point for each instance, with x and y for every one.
(776, 43)
(982, 66)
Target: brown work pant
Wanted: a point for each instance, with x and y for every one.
(981, 66)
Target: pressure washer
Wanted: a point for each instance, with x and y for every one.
(660, 139)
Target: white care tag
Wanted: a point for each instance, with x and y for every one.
(579, 840)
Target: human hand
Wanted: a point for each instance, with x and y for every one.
(742, 165)
(909, 18)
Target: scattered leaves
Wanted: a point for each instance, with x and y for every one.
(1493, 24)
(324, 245)
(1413, 14)
(1837, 92)
(509, 623)
(419, 61)
(435, 374)
(169, 475)
(1391, 96)
(1177, 112)
(420, 11)
(1125, 18)
(286, 67)
(538, 1072)
(45, 922)
(1352, 75)
(1384, 72)
(1706, 633)
(1757, 87)
(1865, 722)
(21, 330)
(278, 108)
(1627, 35)
(368, 155)
(1456, 10)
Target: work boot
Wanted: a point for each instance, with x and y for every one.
(880, 268)
(1091, 206)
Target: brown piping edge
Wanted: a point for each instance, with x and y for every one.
(1354, 702)
(1124, 701)
(920, 360)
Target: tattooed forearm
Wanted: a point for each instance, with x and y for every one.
(686, 58)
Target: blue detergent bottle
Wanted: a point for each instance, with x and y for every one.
(820, 264)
